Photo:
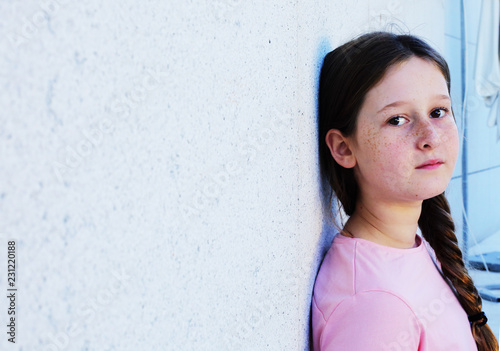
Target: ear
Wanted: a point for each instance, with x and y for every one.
(340, 149)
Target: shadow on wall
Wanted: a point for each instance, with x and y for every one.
(327, 229)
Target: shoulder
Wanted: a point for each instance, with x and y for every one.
(339, 258)
(375, 304)
(336, 276)
(432, 254)
(373, 319)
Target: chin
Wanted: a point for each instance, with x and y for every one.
(430, 193)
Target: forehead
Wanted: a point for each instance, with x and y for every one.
(415, 79)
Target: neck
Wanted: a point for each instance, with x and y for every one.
(389, 224)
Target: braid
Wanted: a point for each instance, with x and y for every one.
(438, 229)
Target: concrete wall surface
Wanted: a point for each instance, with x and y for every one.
(159, 170)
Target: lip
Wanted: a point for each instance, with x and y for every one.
(431, 164)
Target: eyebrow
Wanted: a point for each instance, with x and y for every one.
(400, 103)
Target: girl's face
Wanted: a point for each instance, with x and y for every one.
(406, 140)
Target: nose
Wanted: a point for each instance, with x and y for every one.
(428, 137)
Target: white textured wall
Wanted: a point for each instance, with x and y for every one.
(159, 167)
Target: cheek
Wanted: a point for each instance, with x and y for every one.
(396, 156)
(383, 153)
(370, 149)
(451, 139)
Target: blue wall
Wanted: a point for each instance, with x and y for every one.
(483, 150)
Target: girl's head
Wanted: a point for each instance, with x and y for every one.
(356, 141)
(386, 129)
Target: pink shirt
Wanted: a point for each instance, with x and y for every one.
(373, 297)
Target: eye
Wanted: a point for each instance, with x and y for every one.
(397, 121)
(439, 112)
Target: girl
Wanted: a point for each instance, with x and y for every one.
(388, 145)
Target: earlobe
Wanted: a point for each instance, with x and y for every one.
(340, 149)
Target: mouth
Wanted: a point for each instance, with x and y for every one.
(431, 164)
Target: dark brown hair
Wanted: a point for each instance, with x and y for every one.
(347, 74)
